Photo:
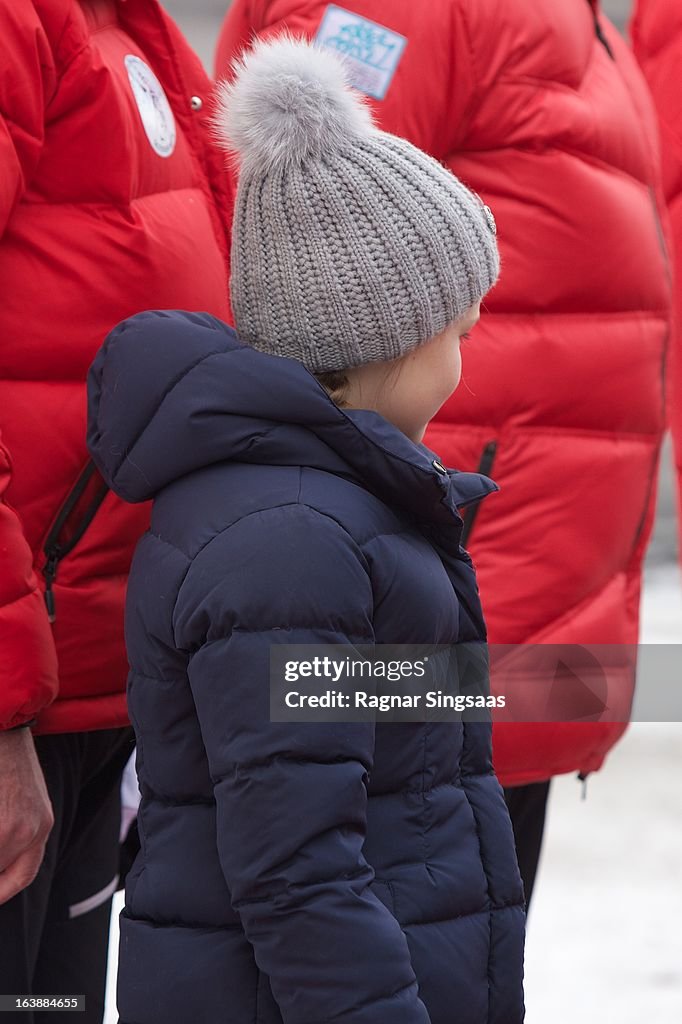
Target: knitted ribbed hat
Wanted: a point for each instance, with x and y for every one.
(349, 244)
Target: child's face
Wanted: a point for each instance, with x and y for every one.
(408, 392)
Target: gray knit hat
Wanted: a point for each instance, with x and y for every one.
(349, 245)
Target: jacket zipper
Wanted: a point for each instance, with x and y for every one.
(661, 238)
(664, 361)
(485, 466)
(669, 278)
(600, 31)
(69, 526)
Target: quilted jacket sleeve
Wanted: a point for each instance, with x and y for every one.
(247, 18)
(657, 41)
(28, 664)
(430, 96)
(291, 798)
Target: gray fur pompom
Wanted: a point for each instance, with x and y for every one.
(288, 102)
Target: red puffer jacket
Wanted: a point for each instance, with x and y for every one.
(539, 107)
(111, 201)
(656, 31)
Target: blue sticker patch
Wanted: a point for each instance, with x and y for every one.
(372, 52)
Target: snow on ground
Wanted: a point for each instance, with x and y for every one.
(604, 940)
(604, 937)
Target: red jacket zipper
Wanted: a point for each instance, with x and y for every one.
(485, 466)
(71, 522)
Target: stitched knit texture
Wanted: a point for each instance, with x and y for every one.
(349, 244)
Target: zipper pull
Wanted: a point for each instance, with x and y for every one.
(599, 31)
(487, 458)
(50, 574)
(583, 778)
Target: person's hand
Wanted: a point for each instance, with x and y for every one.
(26, 816)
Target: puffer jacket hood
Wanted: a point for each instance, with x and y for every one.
(164, 401)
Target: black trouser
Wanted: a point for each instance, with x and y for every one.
(527, 807)
(54, 936)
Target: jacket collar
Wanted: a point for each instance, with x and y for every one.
(403, 474)
(170, 392)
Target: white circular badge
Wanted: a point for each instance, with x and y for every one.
(157, 116)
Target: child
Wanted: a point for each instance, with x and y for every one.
(307, 873)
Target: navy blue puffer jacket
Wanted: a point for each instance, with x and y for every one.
(308, 873)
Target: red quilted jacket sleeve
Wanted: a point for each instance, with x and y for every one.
(28, 663)
(656, 31)
(430, 97)
(247, 18)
